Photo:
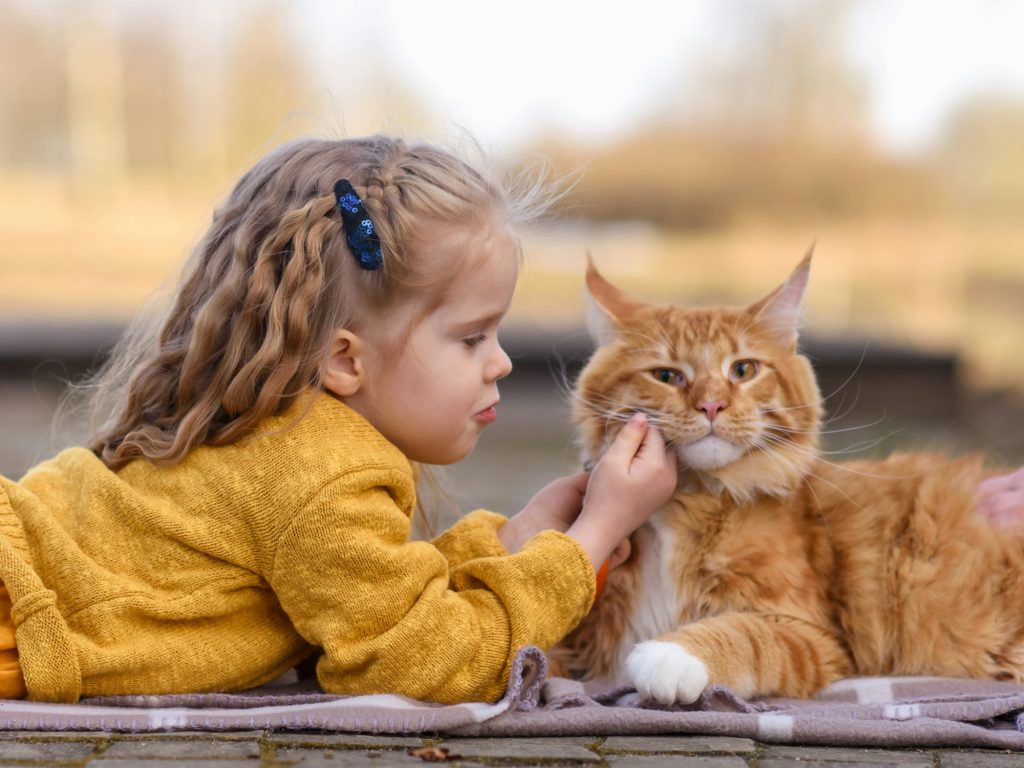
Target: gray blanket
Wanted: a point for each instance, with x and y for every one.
(875, 712)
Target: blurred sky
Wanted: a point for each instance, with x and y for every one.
(510, 71)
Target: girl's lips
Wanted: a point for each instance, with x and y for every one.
(487, 415)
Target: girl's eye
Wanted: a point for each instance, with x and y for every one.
(669, 376)
(744, 370)
(475, 341)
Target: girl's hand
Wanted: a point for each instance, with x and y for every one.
(634, 478)
(555, 506)
(1001, 499)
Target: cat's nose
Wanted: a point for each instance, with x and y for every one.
(711, 408)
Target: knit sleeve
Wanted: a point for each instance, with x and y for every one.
(475, 535)
(390, 614)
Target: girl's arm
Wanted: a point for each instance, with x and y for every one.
(488, 534)
(390, 614)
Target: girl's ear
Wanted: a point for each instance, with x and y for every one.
(780, 309)
(343, 374)
(607, 306)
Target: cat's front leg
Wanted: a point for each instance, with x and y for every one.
(666, 672)
(752, 654)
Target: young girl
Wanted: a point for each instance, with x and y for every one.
(246, 500)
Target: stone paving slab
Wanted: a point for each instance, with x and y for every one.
(979, 758)
(189, 748)
(45, 752)
(101, 762)
(341, 740)
(676, 761)
(866, 757)
(669, 744)
(552, 748)
(318, 758)
(812, 763)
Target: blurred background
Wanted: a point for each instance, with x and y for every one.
(710, 144)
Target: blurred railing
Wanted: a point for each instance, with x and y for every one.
(918, 385)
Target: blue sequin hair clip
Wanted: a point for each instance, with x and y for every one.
(359, 231)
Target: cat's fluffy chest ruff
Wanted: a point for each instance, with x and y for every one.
(658, 607)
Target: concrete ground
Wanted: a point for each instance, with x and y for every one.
(267, 749)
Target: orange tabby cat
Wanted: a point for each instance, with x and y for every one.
(772, 571)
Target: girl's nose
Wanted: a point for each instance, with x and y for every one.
(500, 365)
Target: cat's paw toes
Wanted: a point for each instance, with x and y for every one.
(666, 672)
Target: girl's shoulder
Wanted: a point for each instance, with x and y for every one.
(319, 434)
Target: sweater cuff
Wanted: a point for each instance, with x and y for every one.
(575, 560)
(475, 535)
(547, 587)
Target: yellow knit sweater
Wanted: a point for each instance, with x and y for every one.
(223, 571)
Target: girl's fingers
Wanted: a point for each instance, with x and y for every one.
(654, 441)
(655, 450)
(629, 439)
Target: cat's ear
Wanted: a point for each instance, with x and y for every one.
(780, 309)
(607, 306)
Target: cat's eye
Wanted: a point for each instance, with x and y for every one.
(744, 370)
(669, 376)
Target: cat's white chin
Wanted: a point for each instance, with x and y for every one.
(710, 452)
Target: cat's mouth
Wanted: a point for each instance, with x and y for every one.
(709, 452)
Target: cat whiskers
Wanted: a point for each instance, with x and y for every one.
(782, 440)
(842, 387)
(863, 445)
(805, 476)
(623, 416)
(624, 409)
(812, 431)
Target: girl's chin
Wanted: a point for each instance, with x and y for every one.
(452, 455)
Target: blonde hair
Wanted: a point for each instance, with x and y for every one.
(270, 281)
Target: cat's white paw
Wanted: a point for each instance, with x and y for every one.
(666, 672)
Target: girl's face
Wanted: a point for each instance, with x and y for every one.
(434, 396)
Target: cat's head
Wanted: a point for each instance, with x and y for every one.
(727, 387)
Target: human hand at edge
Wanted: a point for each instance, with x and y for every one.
(1001, 499)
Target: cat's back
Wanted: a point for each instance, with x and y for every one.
(910, 505)
(920, 582)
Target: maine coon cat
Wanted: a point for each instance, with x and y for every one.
(773, 571)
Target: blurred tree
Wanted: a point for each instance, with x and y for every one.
(152, 96)
(266, 82)
(98, 138)
(33, 110)
(982, 154)
(784, 77)
(773, 125)
(200, 145)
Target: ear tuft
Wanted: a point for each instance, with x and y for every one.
(780, 310)
(607, 306)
